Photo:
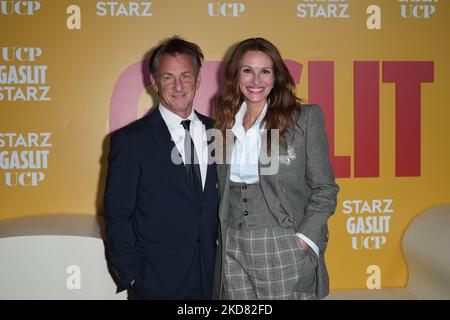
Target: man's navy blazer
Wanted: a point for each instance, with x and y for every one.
(155, 222)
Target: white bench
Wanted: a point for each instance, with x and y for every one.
(54, 257)
(63, 257)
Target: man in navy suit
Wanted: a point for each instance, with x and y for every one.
(160, 205)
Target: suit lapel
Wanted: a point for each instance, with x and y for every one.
(269, 182)
(211, 167)
(224, 172)
(164, 141)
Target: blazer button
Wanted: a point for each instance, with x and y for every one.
(244, 200)
(245, 213)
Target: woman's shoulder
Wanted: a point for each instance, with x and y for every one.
(307, 111)
(303, 113)
(309, 108)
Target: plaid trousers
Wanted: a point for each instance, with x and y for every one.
(263, 264)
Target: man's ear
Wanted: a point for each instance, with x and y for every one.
(154, 83)
(198, 81)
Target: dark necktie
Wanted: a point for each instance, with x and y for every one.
(191, 159)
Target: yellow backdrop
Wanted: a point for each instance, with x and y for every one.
(70, 73)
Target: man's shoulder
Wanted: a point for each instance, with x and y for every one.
(209, 122)
(135, 127)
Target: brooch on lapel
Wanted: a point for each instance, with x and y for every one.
(289, 157)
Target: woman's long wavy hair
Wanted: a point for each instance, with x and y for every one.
(283, 104)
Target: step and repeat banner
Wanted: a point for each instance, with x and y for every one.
(71, 72)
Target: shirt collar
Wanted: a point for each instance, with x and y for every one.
(238, 128)
(173, 120)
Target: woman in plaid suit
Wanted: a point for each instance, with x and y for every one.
(276, 183)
